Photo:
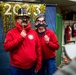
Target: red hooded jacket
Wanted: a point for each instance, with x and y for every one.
(49, 49)
(24, 52)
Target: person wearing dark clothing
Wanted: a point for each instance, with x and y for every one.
(69, 69)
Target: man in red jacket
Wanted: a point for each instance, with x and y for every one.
(49, 43)
(23, 45)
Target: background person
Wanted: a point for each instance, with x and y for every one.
(69, 69)
(49, 45)
(24, 46)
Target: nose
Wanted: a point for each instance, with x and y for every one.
(41, 22)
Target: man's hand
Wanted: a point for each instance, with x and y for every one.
(36, 71)
(46, 38)
(23, 33)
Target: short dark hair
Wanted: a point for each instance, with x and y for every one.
(39, 16)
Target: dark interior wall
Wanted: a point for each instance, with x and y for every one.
(4, 56)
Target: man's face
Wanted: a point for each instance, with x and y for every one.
(40, 22)
(23, 21)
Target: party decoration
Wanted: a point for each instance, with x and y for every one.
(9, 10)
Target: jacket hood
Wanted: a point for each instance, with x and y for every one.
(27, 28)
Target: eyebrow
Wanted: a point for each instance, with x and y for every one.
(40, 20)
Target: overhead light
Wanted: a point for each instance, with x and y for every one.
(73, 0)
(26, 0)
(20, 0)
(23, 0)
(1, 1)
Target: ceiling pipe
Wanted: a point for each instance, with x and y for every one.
(27, 1)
